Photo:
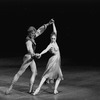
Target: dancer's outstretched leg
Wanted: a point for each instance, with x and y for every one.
(56, 85)
(16, 77)
(40, 85)
(34, 73)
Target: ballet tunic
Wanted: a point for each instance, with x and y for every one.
(53, 68)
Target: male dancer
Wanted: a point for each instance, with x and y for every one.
(28, 59)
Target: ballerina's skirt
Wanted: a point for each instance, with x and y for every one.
(53, 70)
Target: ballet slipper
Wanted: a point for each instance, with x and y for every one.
(7, 92)
(55, 92)
(36, 91)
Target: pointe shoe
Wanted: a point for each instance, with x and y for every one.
(55, 92)
(36, 91)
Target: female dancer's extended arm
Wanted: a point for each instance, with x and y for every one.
(54, 28)
(45, 50)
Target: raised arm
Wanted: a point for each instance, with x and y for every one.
(45, 50)
(54, 28)
(42, 28)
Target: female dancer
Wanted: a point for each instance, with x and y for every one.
(53, 71)
(28, 59)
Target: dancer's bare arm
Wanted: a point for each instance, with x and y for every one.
(46, 50)
(43, 28)
(54, 28)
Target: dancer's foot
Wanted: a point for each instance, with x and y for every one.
(55, 92)
(8, 91)
(36, 91)
(29, 92)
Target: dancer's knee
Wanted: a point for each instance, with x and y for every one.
(34, 72)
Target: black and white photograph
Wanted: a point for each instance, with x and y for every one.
(49, 50)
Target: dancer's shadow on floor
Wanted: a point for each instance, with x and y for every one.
(22, 88)
(49, 91)
(16, 87)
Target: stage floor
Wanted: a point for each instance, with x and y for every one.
(77, 85)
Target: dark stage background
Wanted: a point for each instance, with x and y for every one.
(77, 24)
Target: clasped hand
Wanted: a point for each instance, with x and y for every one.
(51, 21)
(38, 55)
